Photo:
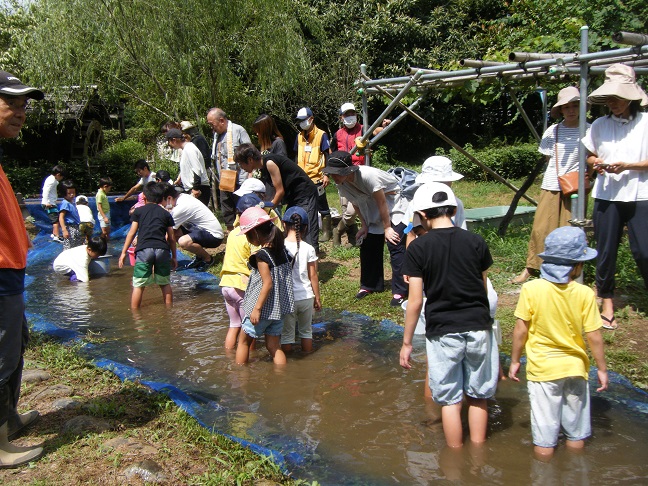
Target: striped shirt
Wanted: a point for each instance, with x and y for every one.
(568, 145)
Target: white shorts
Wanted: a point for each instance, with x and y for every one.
(557, 404)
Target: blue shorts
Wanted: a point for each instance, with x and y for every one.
(204, 238)
(152, 266)
(462, 363)
(557, 404)
(269, 327)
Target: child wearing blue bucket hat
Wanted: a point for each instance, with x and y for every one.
(305, 281)
(553, 313)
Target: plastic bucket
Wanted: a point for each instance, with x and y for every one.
(420, 325)
(100, 266)
(131, 255)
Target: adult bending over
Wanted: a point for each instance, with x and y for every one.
(618, 151)
(291, 184)
(376, 197)
(193, 174)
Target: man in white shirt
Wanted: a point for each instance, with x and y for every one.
(196, 227)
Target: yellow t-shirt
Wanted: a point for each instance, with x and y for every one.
(557, 314)
(235, 271)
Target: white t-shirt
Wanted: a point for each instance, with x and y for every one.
(458, 220)
(302, 287)
(191, 162)
(615, 141)
(74, 260)
(49, 191)
(568, 146)
(145, 180)
(367, 181)
(85, 213)
(189, 211)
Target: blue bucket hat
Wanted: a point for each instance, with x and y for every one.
(295, 210)
(250, 201)
(567, 246)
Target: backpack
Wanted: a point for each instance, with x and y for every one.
(406, 180)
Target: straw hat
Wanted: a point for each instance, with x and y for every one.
(565, 96)
(620, 81)
(437, 169)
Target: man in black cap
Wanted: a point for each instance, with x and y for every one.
(14, 244)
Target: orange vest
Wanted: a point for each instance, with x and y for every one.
(311, 161)
(14, 242)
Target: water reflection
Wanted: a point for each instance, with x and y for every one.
(346, 414)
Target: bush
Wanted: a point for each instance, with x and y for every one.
(117, 162)
(146, 136)
(26, 180)
(510, 162)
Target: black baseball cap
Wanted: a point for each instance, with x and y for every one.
(12, 86)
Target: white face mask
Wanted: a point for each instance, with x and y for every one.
(305, 124)
(350, 121)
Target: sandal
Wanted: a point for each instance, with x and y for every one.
(609, 324)
(362, 294)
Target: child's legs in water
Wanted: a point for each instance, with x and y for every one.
(272, 330)
(234, 306)
(302, 319)
(243, 349)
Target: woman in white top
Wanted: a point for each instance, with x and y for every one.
(560, 141)
(618, 151)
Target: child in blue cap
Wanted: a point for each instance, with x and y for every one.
(553, 313)
(305, 281)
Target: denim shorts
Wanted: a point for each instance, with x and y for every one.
(557, 404)
(465, 362)
(204, 238)
(269, 327)
(152, 266)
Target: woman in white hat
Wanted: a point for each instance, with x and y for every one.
(618, 150)
(559, 145)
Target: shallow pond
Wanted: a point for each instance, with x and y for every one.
(346, 414)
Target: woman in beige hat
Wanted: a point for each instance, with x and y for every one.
(617, 147)
(560, 146)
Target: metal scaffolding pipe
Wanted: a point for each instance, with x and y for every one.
(412, 70)
(630, 38)
(582, 129)
(394, 122)
(535, 56)
(477, 63)
(451, 142)
(523, 112)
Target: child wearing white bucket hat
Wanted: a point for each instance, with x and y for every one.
(617, 146)
(553, 313)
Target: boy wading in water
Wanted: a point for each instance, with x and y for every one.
(450, 265)
(552, 314)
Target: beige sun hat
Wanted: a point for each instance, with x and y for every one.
(620, 81)
(437, 169)
(565, 95)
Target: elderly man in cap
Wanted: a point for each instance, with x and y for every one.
(376, 197)
(312, 148)
(227, 136)
(14, 244)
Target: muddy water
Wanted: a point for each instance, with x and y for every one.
(346, 414)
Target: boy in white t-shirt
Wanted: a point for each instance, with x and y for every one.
(49, 199)
(305, 281)
(74, 262)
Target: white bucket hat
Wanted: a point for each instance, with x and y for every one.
(437, 169)
(565, 95)
(620, 81)
(249, 186)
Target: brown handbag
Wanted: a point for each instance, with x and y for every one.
(228, 180)
(569, 182)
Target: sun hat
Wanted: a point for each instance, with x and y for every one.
(81, 197)
(186, 125)
(174, 133)
(250, 201)
(566, 246)
(253, 217)
(565, 95)
(431, 195)
(347, 107)
(295, 210)
(437, 169)
(620, 81)
(304, 113)
(249, 186)
(12, 86)
(339, 162)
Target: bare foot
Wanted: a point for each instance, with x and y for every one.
(523, 277)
